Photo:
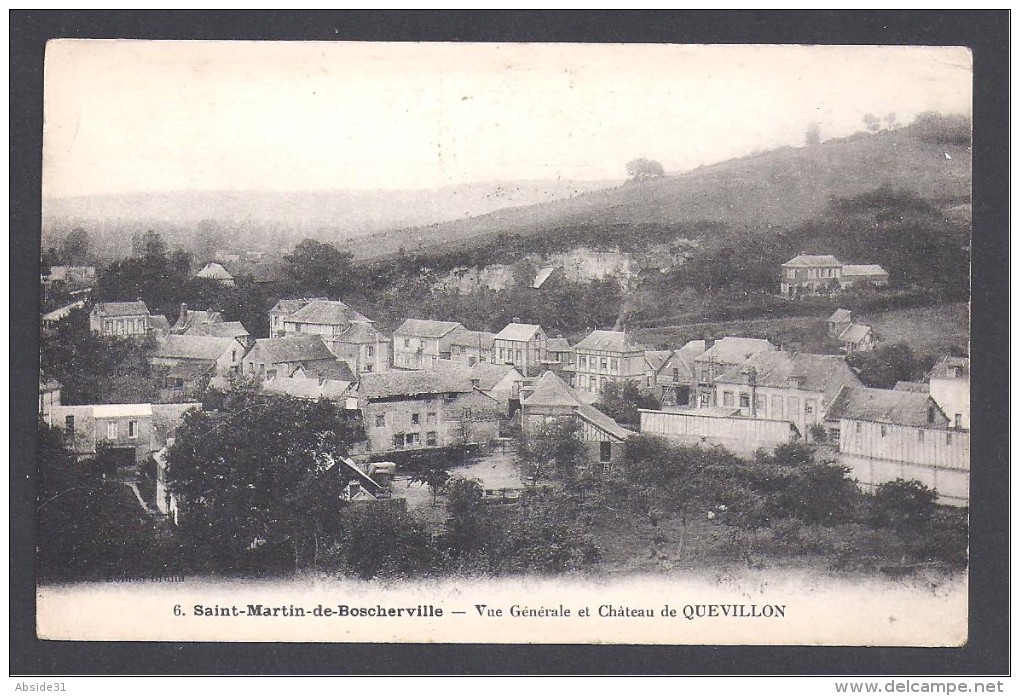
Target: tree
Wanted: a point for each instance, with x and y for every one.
(872, 123)
(643, 169)
(264, 473)
(812, 136)
(890, 121)
(904, 505)
(430, 470)
(621, 401)
(380, 540)
(889, 364)
(75, 248)
(320, 269)
(554, 451)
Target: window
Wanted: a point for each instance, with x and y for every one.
(883, 431)
(431, 438)
(415, 419)
(777, 407)
(111, 430)
(472, 360)
(602, 364)
(502, 354)
(69, 425)
(745, 400)
(931, 414)
(132, 428)
(614, 365)
(398, 441)
(605, 451)
(809, 407)
(407, 343)
(430, 418)
(792, 407)
(760, 404)
(834, 434)
(958, 420)
(858, 428)
(413, 439)
(370, 351)
(949, 438)
(727, 398)
(518, 354)
(380, 421)
(582, 362)
(920, 436)
(676, 374)
(270, 374)
(367, 367)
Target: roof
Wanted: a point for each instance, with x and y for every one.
(360, 333)
(518, 332)
(603, 422)
(193, 347)
(190, 370)
(195, 317)
(308, 388)
(290, 306)
(821, 373)
(808, 260)
(488, 375)
(120, 309)
(326, 312)
(855, 333)
(942, 367)
(557, 345)
(225, 329)
(840, 315)
(122, 410)
(615, 341)
(322, 370)
(708, 411)
(864, 270)
(62, 312)
(157, 322)
(426, 328)
(883, 406)
(287, 349)
(379, 385)
(920, 387)
(733, 350)
(657, 358)
(542, 276)
(467, 337)
(550, 390)
(214, 271)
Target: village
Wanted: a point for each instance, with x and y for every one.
(437, 401)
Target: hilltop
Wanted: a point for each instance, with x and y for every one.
(780, 188)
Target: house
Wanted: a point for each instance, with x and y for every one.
(779, 385)
(362, 347)
(216, 272)
(607, 356)
(120, 319)
(270, 357)
(520, 345)
(121, 434)
(425, 409)
(470, 347)
(283, 309)
(49, 396)
(326, 318)
(551, 401)
(191, 318)
(671, 373)
(501, 382)
(721, 426)
(224, 329)
(718, 357)
(807, 274)
(949, 384)
(839, 321)
(305, 386)
(187, 364)
(859, 275)
(886, 434)
(857, 338)
(159, 327)
(419, 343)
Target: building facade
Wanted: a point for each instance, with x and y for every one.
(607, 356)
(420, 343)
(808, 274)
(521, 345)
(130, 319)
(949, 382)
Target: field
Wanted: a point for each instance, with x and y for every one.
(935, 330)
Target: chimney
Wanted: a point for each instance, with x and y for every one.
(184, 312)
(709, 341)
(517, 320)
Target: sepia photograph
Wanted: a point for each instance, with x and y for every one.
(523, 343)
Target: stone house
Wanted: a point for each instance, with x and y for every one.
(216, 272)
(672, 373)
(607, 356)
(283, 309)
(419, 343)
(718, 357)
(270, 357)
(522, 345)
(469, 347)
(807, 274)
(854, 275)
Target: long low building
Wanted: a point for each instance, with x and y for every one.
(711, 426)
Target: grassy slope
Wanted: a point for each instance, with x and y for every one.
(782, 188)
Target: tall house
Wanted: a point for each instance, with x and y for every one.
(522, 345)
(607, 356)
(364, 348)
(326, 318)
(810, 275)
(419, 343)
(120, 319)
(471, 347)
(283, 309)
(345, 331)
(672, 373)
(778, 385)
(719, 356)
(282, 356)
(950, 387)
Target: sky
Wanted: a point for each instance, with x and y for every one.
(129, 116)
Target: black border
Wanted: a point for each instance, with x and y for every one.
(985, 32)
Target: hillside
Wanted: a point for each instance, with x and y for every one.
(781, 188)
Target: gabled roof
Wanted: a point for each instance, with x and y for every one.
(542, 276)
(474, 339)
(288, 307)
(518, 332)
(325, 370)
(214, 271)
(734, 350)
(195, 317)
(488, 375)
(919, 387)
(289, 349)
(359, 333)
(809, 260)
(855, 333)
(224, 329)
(308, 388)
(63, 312)
(820, 373)
(326, 312)
(840, 316)
(159, 324)
(603, 422)
(657, 358)
(557, 345)
(193, 347)
(380, 385)
(120, 309)
(189, 370)
(942, 369)
(615, 341)
(885, 406)
(550, 390)
(426, 328)
(864, 270)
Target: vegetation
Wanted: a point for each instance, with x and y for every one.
(889, 364)
(621, 401)
(642, 169)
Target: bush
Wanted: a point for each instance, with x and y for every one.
(903, 505)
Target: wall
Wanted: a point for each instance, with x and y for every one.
(742, 436)
(953, 397)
